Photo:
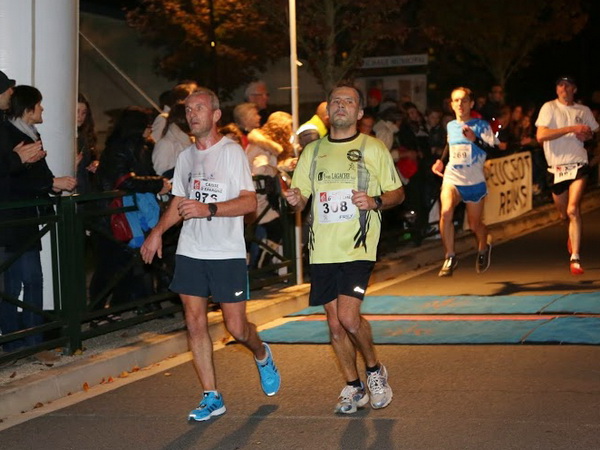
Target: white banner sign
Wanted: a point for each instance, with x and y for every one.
(509, 187)
(377, 62)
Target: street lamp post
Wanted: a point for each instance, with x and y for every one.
(294, 94)
(214, 75)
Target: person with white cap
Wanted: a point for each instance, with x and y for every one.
(563, 126)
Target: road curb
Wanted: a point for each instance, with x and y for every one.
(23, 395)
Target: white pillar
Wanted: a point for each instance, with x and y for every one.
(55, 62)
(39, 47)
(16, 39)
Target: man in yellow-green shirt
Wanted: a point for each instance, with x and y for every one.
(351, 178)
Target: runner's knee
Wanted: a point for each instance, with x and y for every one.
(446, 214)
(573, 212)
(238, 328)
(350, 322)
(336, 330)
(476, 225)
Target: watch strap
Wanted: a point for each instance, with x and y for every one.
(212, 209)
(378, 202)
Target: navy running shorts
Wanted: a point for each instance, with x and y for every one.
(226, 280)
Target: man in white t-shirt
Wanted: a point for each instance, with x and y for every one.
(212, 191)
(563, 126)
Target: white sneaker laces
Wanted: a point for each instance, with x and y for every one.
(347, 394)
(376, 383)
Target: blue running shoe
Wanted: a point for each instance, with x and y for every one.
(270, 380)
(211, 405)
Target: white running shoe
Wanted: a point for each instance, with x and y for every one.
(379, 390)
(351, 398)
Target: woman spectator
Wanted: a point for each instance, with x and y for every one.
(174, 140)
(247, 118)
(232, 131)
(86, 158)
(34, 182)
(267, 146)
(126, 165)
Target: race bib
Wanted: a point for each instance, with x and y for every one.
(460, 154)
(206, 191)
(336, 206)
(565, 172)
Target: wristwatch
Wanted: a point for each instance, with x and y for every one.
(378, 202)
(212, 209)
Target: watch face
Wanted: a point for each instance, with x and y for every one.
(212, 208)
(378, 202)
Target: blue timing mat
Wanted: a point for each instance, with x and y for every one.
(564, 330)
(537, 323)
(567, 330)
(581, 303)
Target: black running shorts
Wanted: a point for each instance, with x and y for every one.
(563, 186)
(328, 281)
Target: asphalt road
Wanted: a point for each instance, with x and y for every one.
(537, 263)
(446, 397)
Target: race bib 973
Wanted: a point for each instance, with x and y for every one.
(206, 191)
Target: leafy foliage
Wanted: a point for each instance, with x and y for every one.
(501, 35)
(335, 35)
(244, 40)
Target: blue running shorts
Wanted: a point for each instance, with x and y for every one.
(472, 194)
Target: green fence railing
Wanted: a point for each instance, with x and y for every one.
(69, 222)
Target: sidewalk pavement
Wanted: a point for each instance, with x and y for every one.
(33, 384)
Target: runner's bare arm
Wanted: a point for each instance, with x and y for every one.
(153, 243)
(549, 134)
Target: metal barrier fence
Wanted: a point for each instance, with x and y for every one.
(75, 222)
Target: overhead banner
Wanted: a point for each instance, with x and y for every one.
(378, 62)
(509, 187)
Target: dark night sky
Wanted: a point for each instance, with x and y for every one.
(579, 57)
